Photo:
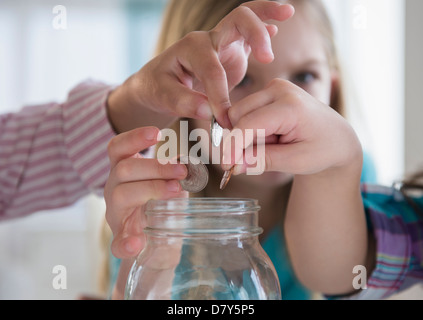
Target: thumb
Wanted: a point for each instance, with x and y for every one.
(127, 247)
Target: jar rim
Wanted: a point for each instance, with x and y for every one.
(201, 205)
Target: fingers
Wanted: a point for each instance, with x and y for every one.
(133, 169)
(246, 22)
(132, 182)
(129, 143)
(129, 238)
(275, 157)
(186, 101)
(250, 103)
(271, 10)
(202, 63)
(218, 70)
(127, 247)
(135, 194)
(125, 212)
(268, 124)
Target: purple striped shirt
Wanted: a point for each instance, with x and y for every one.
(53, 154)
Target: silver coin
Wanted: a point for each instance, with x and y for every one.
(216, 132)
(197, 177)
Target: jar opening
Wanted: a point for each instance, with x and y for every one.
(201, 216)
(202, 205)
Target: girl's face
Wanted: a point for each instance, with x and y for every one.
(300, 57)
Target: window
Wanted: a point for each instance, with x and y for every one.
(370, 36)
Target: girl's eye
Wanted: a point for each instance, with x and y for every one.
(304, 77)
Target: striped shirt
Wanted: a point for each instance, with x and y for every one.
(398, 231)
(53, 154)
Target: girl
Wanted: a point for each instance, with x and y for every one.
(290, 98)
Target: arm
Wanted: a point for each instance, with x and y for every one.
(325, 223)
(51, 155)
(326, 230)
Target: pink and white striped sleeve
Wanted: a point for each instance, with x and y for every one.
(53, 154)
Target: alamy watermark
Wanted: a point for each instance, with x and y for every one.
(60, 280)
(60, 19)
(360, 280)
(196, 145)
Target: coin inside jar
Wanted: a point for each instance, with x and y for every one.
(197, 176)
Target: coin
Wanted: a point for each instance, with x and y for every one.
(216, 132)
(197, 177)
(226, 177)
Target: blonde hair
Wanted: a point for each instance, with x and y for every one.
(184, 16)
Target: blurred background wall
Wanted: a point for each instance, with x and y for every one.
(108, 40)
(413, 86)
(105, 40)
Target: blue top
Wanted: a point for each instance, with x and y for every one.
(275, 247)
(369, 173)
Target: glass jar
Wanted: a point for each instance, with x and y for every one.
(203, 249)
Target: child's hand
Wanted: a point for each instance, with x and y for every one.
(325, 226)
(193, 77)
(132, 182)
(303, 135)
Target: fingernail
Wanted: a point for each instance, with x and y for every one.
(150, 134)
(173, 186)
(204, 112)
(238, 169)
(181, 170)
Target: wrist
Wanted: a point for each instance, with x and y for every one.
(345, 167)
(124, 106)
(128, 108)
(348, 154)
(118, 107)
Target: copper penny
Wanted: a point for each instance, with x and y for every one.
(226, 177)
